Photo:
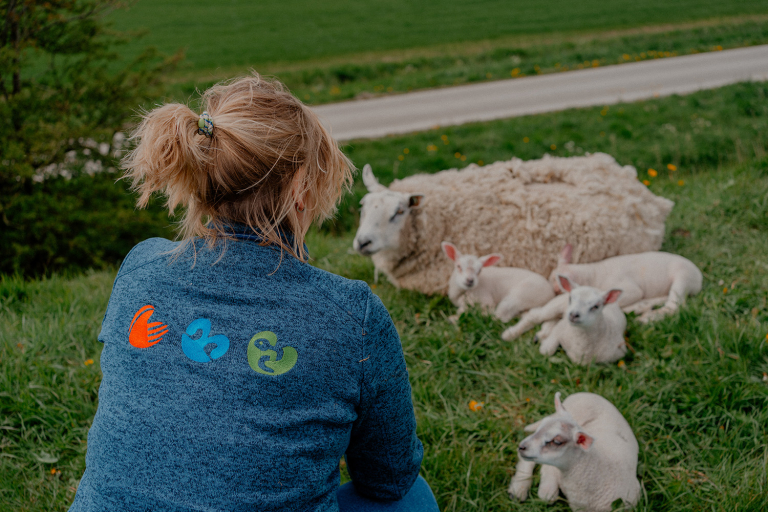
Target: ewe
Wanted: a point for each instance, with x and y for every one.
(506, 291)
(523, 210)
(646, 280)
(587, 450)
(591, 326)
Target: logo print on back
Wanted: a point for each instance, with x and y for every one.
(144, 334)
(263, 359)
(194, 348)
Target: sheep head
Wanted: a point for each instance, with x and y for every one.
(585, 304)
(467, 267)
(382, 217)
(557, 439)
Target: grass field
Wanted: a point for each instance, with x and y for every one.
(238, 33)
(693, 386)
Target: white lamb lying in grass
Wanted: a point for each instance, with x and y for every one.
(587, 450)
(591, 326)
(647, 279)
(505, 291)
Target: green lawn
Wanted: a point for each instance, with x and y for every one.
(692, 386)
(241, 33)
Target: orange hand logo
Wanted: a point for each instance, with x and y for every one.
(143, 334)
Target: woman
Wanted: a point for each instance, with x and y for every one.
(235, 375)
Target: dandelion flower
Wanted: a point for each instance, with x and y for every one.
(725, 290)
(53, 471)
(400, 157)
(431, 147)
(488, 75)
(463, 158)
(457, 154)
(335, 90)
(672, 167)
(646, 182)
(553, 147)
(681, 183)
(526, 140)
(88, 361)
(480, 162)
(652, 173)
(622, 364)
(626, 56)
(406, 151)
(475, 405)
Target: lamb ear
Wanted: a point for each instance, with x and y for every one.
(490, 259)
(565, 255)
(451, 251)
(611, 296)
(370, 181)
(565, 283)
(558, 404)
(415, 200)
(584, 440)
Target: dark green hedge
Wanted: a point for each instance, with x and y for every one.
(65, 225)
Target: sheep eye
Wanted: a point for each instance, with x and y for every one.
(399, 211)
(557, 442)
(594, 308)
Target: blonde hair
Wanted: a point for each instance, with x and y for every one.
(245, 172)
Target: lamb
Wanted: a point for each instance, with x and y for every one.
(523, 210)
(591, 327)
(587, 450)
(647, 280)
(506, 292)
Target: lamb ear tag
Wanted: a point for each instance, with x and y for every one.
(584, 441)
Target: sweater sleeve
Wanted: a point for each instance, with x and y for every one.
(384, 454)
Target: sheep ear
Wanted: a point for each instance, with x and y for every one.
(584, 440)
(451, 251)
(415, 200)
(565, 283)
(565, 255)
(370, 181)
(491, 259)
(611, 296)
(558, 404)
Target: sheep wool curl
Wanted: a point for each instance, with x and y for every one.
(527, 211)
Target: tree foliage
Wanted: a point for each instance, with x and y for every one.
(64, 93)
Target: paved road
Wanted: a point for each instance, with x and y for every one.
(421, 110)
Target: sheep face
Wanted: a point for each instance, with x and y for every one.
(557, 441)
(585, 304)
(382, 217)
(467, 267)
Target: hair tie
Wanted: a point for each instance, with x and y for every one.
(205, 124)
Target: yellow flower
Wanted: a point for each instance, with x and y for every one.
(652, 173)
(457, 154)
(406, 151)
(488, 75)
(463, 158)
(526, 140)
(515, 72)
(681, 183)
(725, 290)
(595, 63)
(646, 182)
(672, 167)
(621, 364)
(431, 147)
(53, 471)
(88, 361)
(335, 90)
(626, 56)
(480, 162)
(553, 147)
(475, 405)
(400, 157)
(604, 112)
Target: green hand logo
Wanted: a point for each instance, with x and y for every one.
(264, 360)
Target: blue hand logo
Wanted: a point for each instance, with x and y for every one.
(263, 358)
(195, 348)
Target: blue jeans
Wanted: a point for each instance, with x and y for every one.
(418, 499)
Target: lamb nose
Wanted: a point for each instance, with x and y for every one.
(522, 447)
(363, 243)
(470, 281)
(574, 317)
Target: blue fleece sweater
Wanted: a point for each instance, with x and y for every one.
(238, 384)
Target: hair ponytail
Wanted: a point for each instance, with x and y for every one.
(262, 137)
